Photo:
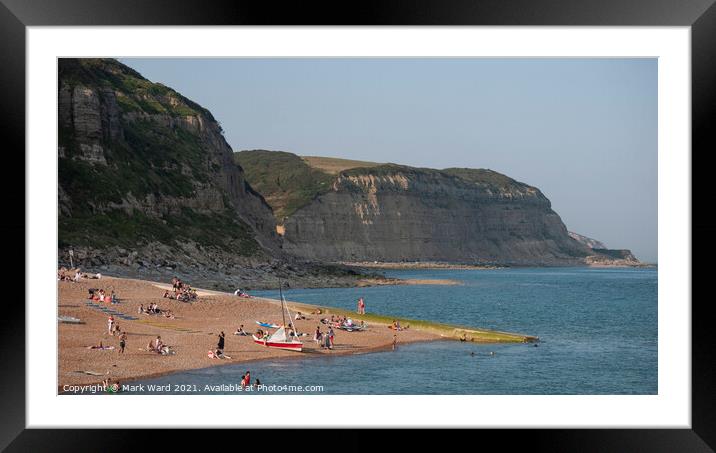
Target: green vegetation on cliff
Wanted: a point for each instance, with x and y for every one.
(135, 93)
(134, 156)
(289, 182)
(285, 180)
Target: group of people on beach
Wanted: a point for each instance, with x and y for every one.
(74, 275)
(395, 325)
(153, 309)
(181, 291)
(340, 321)
(218, 352)
(325, 340)
(99, 295)
(113, 327)
(158, 346)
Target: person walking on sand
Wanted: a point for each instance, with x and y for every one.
(122, 342)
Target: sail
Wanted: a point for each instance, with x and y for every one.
(278, 336)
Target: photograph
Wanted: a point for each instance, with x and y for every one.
(357, 226)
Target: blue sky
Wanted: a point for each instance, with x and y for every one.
(584, 131)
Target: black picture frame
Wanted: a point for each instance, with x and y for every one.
(16, 15)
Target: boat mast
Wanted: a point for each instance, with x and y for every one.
(280, 292)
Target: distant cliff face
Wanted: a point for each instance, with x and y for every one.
(399, 213)
(140, 164)
(589, 242)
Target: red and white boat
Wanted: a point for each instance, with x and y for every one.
(279, 339)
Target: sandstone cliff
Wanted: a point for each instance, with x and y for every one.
(388, 212)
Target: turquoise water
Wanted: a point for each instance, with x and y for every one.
(598, 331)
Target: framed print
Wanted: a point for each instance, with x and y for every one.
(459, 216)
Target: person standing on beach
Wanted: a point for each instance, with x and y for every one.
(331, 336)
(122, 342)
(395, 341)
(110, 325)
(361, 306)
(220, 345)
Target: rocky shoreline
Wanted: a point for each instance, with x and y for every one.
(212, 268)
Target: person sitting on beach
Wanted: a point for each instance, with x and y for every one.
(240, 331)
(299, 316)
(169, 314)
(140, 310)
(317, 311)
(158, 345)
(113, 299)
(78, 276)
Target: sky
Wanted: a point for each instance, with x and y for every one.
(583, 131)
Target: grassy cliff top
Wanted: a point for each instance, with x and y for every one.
(288, 181)
(134, 92)
(285, 180)
(333, 165)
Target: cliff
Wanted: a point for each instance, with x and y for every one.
(148, 184)
(389, 212)
(589, 242)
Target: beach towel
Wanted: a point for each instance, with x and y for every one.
(102, 348)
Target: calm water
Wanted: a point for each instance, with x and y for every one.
(598, 329)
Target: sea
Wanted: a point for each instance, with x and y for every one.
(597, 329)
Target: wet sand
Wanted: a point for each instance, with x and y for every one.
(191, 335)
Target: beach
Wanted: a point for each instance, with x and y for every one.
(192, 333)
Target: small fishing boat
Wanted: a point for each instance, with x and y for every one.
(280, 339)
